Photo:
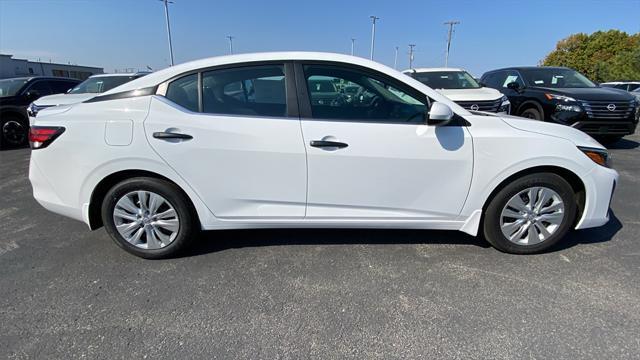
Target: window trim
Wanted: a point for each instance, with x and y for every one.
(304, 96)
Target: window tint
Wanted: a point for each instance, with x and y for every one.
(492, 80)
(509, 77)
(59, 87)
(254, 91)
(42, 87)
(348, 94)
(184, 92)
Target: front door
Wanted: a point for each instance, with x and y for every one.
(370, 154)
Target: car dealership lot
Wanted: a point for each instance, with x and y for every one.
(66, 292)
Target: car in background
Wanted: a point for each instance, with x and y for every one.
(636, 93)
(565, 96)
(87, 89)
(622, 85)
(459, 86)
(240, 141)
(15, 95)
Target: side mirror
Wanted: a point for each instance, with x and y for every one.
(513, 86)
(440, 114)
(33, 94)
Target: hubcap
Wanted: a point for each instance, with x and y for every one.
(13, 132)
(146, 220)
(532, 216)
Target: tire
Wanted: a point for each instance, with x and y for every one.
(14, 132)
(548, 217)
(150, 237)
(608, 139)
(532, 113)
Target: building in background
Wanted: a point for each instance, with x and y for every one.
(10, 67)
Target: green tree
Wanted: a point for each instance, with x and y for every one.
(602, 56)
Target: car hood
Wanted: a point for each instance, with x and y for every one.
(481, 94)
(576, 136)
(598, 93)
(63, 99)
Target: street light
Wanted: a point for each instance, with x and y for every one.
(411, 46)
(395, 60)
(353, 42)
(373, 34)
(230, 43)
(451, 25)
(166, 15)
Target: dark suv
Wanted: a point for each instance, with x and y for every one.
(565, 96)
(15, 95)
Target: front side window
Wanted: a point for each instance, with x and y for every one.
(59, 87)
(41, 87)
(349, 94)
(447, 80)
(184, 92)
(556, 78)
(253, 91)
(509, 77)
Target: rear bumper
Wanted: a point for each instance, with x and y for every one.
(600, 184)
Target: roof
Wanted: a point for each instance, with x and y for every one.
(528, 68)
(139, 73)
(163, 75)
(29, 78)
(441, 69)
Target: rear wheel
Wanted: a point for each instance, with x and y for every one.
(531, 113)
(13, 132)
(148, 217)
(531, 214)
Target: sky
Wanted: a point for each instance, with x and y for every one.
(119, 34)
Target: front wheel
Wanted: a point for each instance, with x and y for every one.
(532, 113)
(531, 214)
(13, 132)
(148, 217)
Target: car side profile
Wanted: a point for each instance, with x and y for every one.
(459, 86)
(15, 96)
(565, 96)
(248, 141)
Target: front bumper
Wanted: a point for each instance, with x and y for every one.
(596, 126)
(599, 186)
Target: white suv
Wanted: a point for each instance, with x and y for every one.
(459, 86)
(264, 141)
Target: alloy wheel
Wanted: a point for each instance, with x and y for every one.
(532, 216)
(146, 220)
(13, 132)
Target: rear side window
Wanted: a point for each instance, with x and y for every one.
(184, 92)
(253, 91)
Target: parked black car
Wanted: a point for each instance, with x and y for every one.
(15, 95)
(565, 96)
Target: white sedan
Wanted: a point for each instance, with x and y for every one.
(302, 139)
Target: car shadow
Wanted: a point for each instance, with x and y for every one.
(624, 144)
(221, 240)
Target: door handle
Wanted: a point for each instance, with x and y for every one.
(325, 143)
(170, 135)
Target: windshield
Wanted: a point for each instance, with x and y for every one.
(447, 80)
(100, 84)
(556, 78)
(10, 87)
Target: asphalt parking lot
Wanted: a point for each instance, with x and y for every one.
(66, 292)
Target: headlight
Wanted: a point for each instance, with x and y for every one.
(505, 105)
(599, 156)
(31, 110)
(559, 97)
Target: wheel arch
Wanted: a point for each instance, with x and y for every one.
(572, 178)
(531, 104)
(101, 189)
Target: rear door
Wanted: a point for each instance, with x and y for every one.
(370, 154)
(234, 135)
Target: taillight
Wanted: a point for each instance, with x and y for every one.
(41, 136)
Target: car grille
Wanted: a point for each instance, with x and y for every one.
(614, 110)
(490, 106)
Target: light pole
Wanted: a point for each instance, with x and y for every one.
(353, 45)
(230, 43)
(373, 34)
(395, 60)
(451, 25)
(166, 15)
(411, 46)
